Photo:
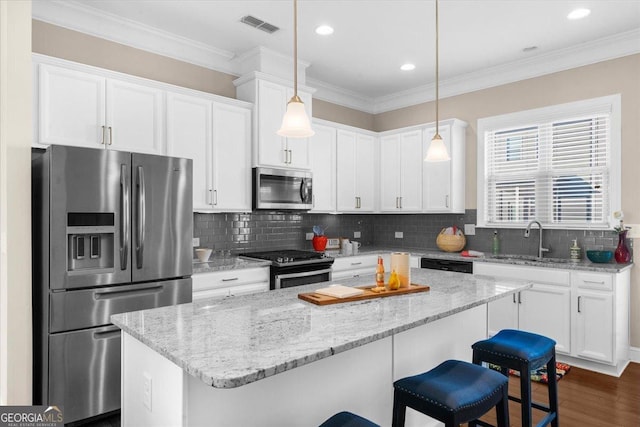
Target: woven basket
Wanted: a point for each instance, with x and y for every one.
(450, 242)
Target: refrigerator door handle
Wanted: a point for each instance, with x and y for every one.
(125, 217)
(141, 217)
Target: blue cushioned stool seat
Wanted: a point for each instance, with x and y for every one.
(523, 351)
(347, 419)
(453, 392)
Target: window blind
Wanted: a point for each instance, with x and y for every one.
(556, 172)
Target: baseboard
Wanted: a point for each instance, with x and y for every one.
(634, 354)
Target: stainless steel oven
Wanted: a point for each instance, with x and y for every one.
(295, 268)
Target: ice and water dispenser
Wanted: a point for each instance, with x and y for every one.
(90, 240)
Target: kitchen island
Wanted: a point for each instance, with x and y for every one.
(271, 359)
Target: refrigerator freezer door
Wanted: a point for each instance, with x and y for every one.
(86, 189)
(162, 217)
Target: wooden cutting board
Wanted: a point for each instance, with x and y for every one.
(318, 299)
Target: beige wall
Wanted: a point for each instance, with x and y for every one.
(339, 114)
(15, 200)
(606, 78)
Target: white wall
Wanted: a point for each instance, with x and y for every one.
(15, 202)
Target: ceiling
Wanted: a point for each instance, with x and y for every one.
(373, 38)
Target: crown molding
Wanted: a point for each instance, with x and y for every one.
(604, 49)
(76, 16)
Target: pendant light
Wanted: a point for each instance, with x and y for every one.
(295, 123)
(437, 151)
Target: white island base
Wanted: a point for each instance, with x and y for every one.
(156, 392)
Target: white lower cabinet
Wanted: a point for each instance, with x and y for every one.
(228, 283)
(586, 313)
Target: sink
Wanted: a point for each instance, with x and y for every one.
(530, 258)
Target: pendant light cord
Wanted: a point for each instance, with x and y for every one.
(295, 48)
(437, 72)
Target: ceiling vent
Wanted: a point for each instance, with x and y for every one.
(259, 24)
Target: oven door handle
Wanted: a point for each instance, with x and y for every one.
(280, 277)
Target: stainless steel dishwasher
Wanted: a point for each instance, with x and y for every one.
(447, 265)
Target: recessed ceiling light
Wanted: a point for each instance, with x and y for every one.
(324, 30)
(408, 67)
(578, 13)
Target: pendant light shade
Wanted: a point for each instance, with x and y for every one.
(437, 151)
(295, 123)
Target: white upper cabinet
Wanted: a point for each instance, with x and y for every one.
(217, 137)
(134, 117)
(322, 156)
(271, 149)
(443, 185)
(401, 172)
(89, 110)
(231, 158)
(71, 107)
(356, 171)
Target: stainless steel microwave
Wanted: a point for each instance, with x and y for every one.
(285, 189)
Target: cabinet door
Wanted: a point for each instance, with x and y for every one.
(322, 147)
(411, 165)
(436, 190)
(365, 166)
(503, 314)
(272, 104)
(594, 329)
(346, 171)
(134, 118)
(543, 310)
(189, 134)
(390, 173)
(231, 158)
(71, 107)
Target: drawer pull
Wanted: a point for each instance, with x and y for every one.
(597, 282)
(579, 304)
(230, 280)
(356, 263)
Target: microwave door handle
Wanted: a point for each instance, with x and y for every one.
(141, 217)
(125, 217)
(304, 191)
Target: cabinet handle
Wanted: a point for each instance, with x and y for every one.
(579, 297)
(286, 156)
(110, 135)
(313, 200)
(290, 156)
(215, 197)
(400, 202)
(103, 129)
(514, 298)
(397, 207)
(519, 297)
(230, 280)
(359, 202)
(446, 201)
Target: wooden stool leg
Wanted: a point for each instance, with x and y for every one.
(525, 394)
(399, 410)
(552, 383)
(502, 408)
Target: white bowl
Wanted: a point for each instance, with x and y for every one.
(203, 254)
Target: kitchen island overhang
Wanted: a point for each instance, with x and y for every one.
(234, 342)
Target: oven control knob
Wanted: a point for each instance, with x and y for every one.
(279, 259)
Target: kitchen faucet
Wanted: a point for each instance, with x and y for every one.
(526, 235)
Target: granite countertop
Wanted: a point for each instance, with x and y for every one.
(234, 341)
(233, 263)
(561, 263)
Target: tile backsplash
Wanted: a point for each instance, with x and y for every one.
(254, 231)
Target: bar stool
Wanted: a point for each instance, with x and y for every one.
(453, 392)
(523, 351)
(347, 419)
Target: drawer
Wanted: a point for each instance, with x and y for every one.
(230, 278)
(355, 262)
(551, 276)
(245, 289)
(599, 281)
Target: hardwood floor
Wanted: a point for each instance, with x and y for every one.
(587, 399)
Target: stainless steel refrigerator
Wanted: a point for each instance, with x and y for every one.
(112, 232)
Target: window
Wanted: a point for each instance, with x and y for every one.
(559, 165)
